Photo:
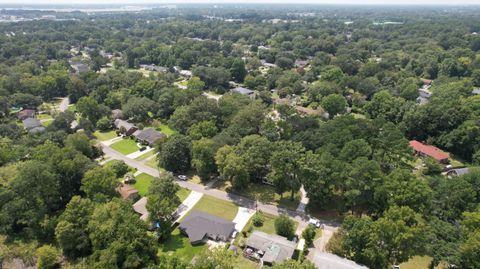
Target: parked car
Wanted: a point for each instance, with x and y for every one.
(314, 222)
(182, 177)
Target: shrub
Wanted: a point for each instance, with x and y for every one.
(47, 257)
(257, 220)
(284, 226)
(118, 167)
(309, 234)
(104, 124)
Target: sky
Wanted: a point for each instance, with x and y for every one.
(363, 2)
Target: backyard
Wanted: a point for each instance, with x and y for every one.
(217, 207)
(125, 146)
(264, 193)
(421, 262)
(165, 129)
(179, 245)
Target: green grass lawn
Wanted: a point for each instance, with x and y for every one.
(104, 136)
(44, 117)
(217, 207)
(421, 262)
(46, 123)
(358, 116)
(267, 227)
(264, 193)
(179, 245)
(125, 146)
(244, 263)
(166, 129)
(152, 163)
(183, 83)
(146, 155)
(143, 182)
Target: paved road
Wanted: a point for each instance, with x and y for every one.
(237, 199)
(64, 104)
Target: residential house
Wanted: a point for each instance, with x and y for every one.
(128, 192)
(25, 114)
(476, 91)
(244, 91)
(185, 73)
(424, 92)
(141, 208)
(33, 126)
(267, 64)
(125, 127)
(153, 67)
(426, 82)
(325, 260)
(458, 172)
(79, 67)
(200, 226)
(148, 136)
(429, 151)
(301, 63)
(269, 248)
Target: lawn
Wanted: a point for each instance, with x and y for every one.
(143, 181)
(46, 123)
(44, 117)
(421, 262)
(179, 245)
(152, 163)
(125, 146)
(264, 193)
(104, 136)
(146, 155)
(244, 263)
(166, 129)
(72, 107)
(217, 207)
(267, 227)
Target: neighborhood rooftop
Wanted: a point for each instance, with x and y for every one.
(149, 135)
(200, 225)
(428, 150)
(141, 208)
(324, 260)
(276, 248)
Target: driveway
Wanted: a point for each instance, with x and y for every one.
(64, 104)
(243, 216)
(188, 203)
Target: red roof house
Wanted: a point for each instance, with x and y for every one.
(431, 151)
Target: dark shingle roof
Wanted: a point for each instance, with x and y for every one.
(276, 248)
(149, 135)
(197, 225)
(30, 123)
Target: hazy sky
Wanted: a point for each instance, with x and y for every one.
(368, 2)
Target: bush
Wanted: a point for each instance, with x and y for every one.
(257, 220)
(433, 167)
(284, 226)
(309, 234)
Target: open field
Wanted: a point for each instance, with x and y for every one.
(179, 245)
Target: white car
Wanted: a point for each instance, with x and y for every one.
(314, 222)
(182, 177)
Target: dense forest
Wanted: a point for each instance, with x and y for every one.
(338, 94)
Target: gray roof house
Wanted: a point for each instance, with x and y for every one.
(200, 226)
(244, 91)
(149, 136)
(25, 114)
(79, 67)
(324, 260)
(141, 208)
(275, 248)
(122, 124)
(458, 172)
(476, 91)
(33, 126)
(117, 114)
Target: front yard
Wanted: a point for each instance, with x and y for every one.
(264, 193)
(104, 136)
(217, 207)
(143, 181)
(125, 146)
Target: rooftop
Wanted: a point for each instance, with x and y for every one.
(242, 90)
(276, 248)
(149, 135)
(141, 208)
(428, 150)
(30, 123)
(127, 191)
(324, 260)
(198, 225)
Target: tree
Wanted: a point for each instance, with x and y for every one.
(80, 142)
(88, 107)
(248, 120)
(334, 104)
(174, 153)
(62, 122)
(476, 77)
(119, 168)
(119, 237)
(237, 70)
(99, 184)
(285, 165)
(195, 84)
(309, 234)
(203, 157)
(138, 108)
(215, 259)
(47, 257)
(169, 262)
(203, 129)
(432, 166)
(71, 231)
(162, 202)
(284, 226)
(104, 124)
(469, 257)
(294, 264)
(232, 167)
